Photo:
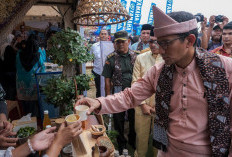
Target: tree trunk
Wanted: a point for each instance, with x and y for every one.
(69, 70)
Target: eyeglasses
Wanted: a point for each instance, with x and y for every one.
(165, 44)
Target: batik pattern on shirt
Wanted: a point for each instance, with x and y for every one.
(217, 92)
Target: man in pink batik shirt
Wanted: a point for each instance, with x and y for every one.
(193, 93)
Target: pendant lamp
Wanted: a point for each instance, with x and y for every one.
(99, 13)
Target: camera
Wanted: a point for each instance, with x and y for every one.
(219, 18)
(199, 17)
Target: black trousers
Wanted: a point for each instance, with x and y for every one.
(97, 80)
(119, 119)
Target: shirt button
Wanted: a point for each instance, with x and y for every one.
(184, 96)
(184, 109)
(184, 85)
(184, 73)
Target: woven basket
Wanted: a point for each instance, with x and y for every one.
(100, 12)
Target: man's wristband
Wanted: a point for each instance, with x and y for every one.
(30, 146)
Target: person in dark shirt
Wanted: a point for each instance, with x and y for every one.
(8, 68)
(118, 69)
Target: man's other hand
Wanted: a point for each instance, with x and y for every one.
(147, 110)
(212, 21)
(6, 140)
(6, 125)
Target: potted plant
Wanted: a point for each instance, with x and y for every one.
(69, 49)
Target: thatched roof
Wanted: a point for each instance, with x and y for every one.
(43, 13)
(12, 12)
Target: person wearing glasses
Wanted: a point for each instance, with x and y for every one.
(118, 69)
(193, 92)
(144, 113)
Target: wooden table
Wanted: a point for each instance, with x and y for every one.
(86, 138)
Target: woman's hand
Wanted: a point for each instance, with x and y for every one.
(43, 139)
(65, 135)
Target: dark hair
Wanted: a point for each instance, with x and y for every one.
(228, 25)
(146, 27)
(182, 16)
(32, 43)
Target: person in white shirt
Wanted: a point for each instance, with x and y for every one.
(97, 70)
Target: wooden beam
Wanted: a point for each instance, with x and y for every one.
(53, 3)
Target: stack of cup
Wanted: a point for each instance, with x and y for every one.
(81, 110)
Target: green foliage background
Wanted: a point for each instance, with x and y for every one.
(69, 46)
(61, 91)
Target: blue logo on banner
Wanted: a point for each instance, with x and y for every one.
(138, 10)
(124, 3)
(138, 30)
(169, 6)
(121, 25)
(97, 32)
(129, 24)
(150, 17)
(108, 27)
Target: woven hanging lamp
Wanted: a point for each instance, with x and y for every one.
(99, 13)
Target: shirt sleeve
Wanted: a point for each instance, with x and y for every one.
(91, 49)
(136, 70)
(130, 97)
(8, 152)
(107, 69)
(134, 46)
(41, 64)
(137, 74)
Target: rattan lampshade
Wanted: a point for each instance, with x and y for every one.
(99, 13)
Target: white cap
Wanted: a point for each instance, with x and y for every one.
(45, 111)
(48, 126)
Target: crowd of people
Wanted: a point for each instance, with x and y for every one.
(20, 57)
(173, 82)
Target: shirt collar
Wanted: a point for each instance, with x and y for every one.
(123, 54)
(145, 44)
(98, 43)
(190, 68)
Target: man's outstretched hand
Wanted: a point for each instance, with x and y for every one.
(92, 103)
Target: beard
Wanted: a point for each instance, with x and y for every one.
(216, 39)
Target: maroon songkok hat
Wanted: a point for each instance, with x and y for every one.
(165, 25)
